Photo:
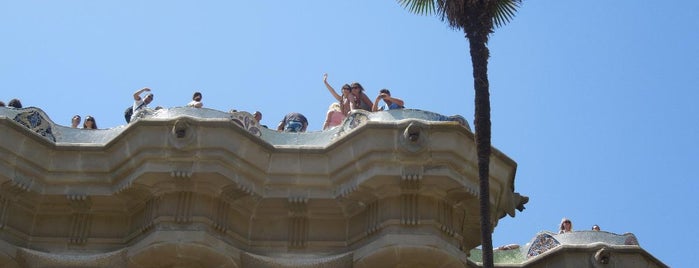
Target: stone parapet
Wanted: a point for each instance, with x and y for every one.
(202, 188)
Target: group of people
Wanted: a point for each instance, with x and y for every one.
(89, 123)
(14, 103)
(74, 122)
(566, 226)
(351, 97)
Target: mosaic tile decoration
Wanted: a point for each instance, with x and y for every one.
(356, 119)
(630, 239)
(458, 118)
(34, 121)
(541, 244)
(247, 122)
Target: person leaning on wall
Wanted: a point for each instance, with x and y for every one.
(391, 102)
(196, 101)
(75, 121)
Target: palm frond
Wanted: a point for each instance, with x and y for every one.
(504, 11)
(420, 7)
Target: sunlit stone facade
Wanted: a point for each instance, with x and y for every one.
(187, 187)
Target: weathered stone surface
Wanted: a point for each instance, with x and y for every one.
(186, 187)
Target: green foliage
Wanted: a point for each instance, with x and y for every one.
(420, 7)
(503, 10)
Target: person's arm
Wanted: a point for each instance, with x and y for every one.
(280, 127)
(198, 104)
(375, 107)
(327, 120)
(137, 94)
(396, 101)
(330, 88)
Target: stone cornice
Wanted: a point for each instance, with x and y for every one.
(258, 191)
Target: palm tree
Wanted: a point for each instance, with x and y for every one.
(477, 18)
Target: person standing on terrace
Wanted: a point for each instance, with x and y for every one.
(566, 226)
(391, 102)
(343, 99)
(75, 121)
(359, 100)
(140, 103)
(90, 123)
(293, 122)
(258, 117)
(334, 116)
(196, 101)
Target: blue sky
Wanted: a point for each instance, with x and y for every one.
(595, 100)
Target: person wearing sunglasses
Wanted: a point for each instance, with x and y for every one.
(566, 226)
(75, 121)
(344, 99)
(89, 123)
(359, 100)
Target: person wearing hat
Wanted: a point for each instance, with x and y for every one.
(140, 103)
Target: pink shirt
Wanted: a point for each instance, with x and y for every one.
(334, 118)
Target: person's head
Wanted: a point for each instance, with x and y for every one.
(385, 93)
(334, 107)
(346, 89)
(15, 103)
(595, 227)
(75, 121)
(197, 96)
(90, 123)
(258, 116)
(357, 88)
(2, 104)
(295, 126)
(293, 122)
(566, 225)
(148, 98)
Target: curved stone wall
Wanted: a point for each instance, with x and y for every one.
(38, 122)
(182, 180)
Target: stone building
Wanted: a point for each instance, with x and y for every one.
(186, 187)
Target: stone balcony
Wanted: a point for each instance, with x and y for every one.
(186, 187)
(574, 249)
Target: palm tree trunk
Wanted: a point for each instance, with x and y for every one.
(479, 60)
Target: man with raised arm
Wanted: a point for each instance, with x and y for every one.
(140, 103)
